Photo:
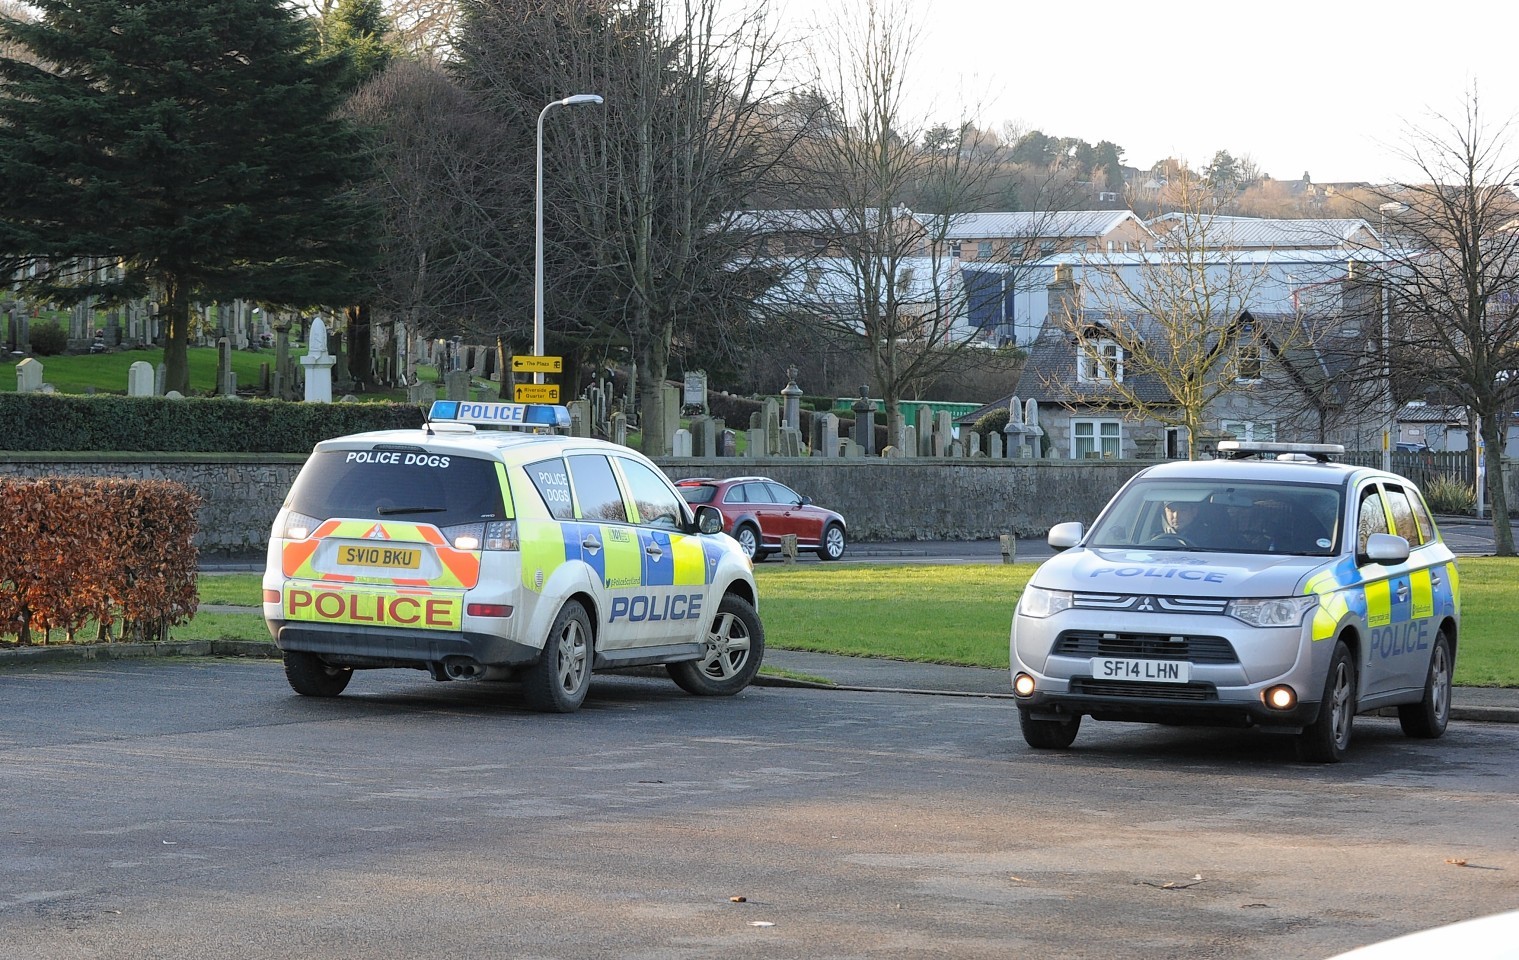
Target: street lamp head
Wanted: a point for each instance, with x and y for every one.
(579, 98)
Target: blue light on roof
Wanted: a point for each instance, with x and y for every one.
(500, 414)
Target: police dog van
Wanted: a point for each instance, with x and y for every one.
(503, 554)
(1271, 587)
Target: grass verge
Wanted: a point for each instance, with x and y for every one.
(957, 614)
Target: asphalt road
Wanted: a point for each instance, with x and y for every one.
(197, 809)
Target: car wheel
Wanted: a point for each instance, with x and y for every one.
(1048, 734)
(1427, 718)
(734, 647)
(1327, 738)
(833, 543)
(558, 682)
(748, 538)
(310, 677)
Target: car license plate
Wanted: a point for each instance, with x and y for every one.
(1148, 671)
(394, 558)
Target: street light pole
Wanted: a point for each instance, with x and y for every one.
(1389, 423)
(569, 101)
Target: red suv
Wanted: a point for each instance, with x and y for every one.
(757, 512)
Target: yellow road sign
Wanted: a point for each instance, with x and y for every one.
(532, 364)
(536, 392)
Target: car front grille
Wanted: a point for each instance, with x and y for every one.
(1144, 646)
(1148, 603)
(1188, 692)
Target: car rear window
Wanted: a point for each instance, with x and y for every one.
(700, 493)
(398, 483)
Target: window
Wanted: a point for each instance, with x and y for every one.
(596, 489)
(552, 481)
(1403, 521)
(984, 250)
(954, 250)
(1101, 362)
(1047, 247)
(657, 505)
(1372, 518)
(1249, 429)
(1095, 439)
(1247, 362)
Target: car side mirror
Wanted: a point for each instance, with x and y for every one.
(1386, 548)
(1064, 536)
(709, 519)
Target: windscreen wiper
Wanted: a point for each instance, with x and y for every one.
(392, 511)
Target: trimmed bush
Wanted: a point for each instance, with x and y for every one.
(1450, 496)
(48, 339)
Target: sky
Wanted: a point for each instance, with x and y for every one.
(1329, 88)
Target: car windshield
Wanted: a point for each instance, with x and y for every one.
(1223, 515)
(399, 484)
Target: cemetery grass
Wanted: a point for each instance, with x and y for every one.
(955, 613)
(107, 372)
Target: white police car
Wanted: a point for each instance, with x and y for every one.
(1289, 594)
(496, 554)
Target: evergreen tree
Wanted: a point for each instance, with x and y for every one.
(185, 150)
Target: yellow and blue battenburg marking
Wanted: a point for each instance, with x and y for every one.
(500, 414)
(1416, 596)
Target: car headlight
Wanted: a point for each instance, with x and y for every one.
(1272, 611)
(1039, 603)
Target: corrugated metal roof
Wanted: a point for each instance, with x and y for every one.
(1055, 224)
(1255, 232)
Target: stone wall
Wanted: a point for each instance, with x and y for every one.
(904, 499)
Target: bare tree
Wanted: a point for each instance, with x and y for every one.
(1452, 276)
(639, 192)
(1169, 338)
(884, 275)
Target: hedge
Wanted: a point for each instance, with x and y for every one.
(37, 422)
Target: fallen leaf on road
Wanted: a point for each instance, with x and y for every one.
(738, 899)
(1456, 861)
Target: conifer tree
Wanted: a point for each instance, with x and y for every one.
(184, 150)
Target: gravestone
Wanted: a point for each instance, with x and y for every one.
(160, 376)
(140, 379)
(683, 443)
(318, 364)
(850, 450)
(29, 376)
(972, 442)
(226, 380)
(580, 417)
(759, 439)
(792, 394)
(728, 447)
(770, 412)
(943, 434)
(703, 437)
(422, 393)
(994, 446)
(456, 385)
(909, 442)
(620, 428)
(925, 427)
(826, 431)
(865, 422)
(669, 411)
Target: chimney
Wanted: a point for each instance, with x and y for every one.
(1064, 295)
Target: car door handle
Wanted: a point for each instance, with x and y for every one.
(590, 544)
(653, 550)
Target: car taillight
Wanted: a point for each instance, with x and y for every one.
(298, 526)
(496, 535)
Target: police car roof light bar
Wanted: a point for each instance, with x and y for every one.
(484, 413)
(1240, 449)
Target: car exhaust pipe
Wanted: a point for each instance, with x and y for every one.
(461, 668)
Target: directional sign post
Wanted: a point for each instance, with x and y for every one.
(532, 364)
(536, 392)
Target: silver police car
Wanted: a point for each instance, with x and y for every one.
(1272, 587)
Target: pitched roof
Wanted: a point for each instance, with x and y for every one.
(1255, 232)
(1054, 224)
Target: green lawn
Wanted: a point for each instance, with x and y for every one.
(958, 613)
(107, 372)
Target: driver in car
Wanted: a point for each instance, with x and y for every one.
(1181, 517)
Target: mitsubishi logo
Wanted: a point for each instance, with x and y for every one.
(376, 532)
(1146, 605)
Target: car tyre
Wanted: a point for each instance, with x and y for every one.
(1427, 718)
(1327, 738)
(833, 544)
(733, 650)
(309, 676)
(1048, 734)
(559, 680)
(748, 537)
